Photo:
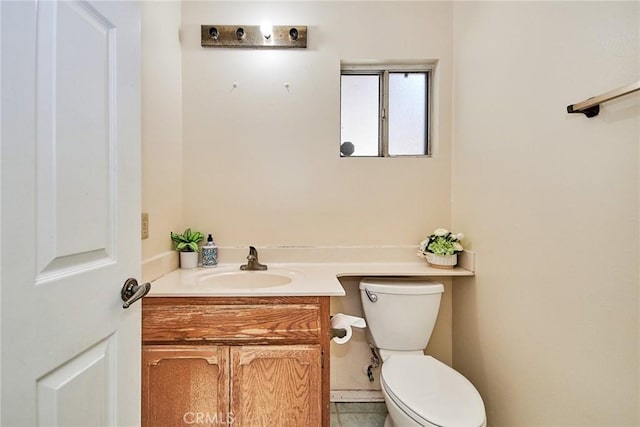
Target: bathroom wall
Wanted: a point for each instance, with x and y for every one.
(262, 164)
(548, 328)
(161, 133)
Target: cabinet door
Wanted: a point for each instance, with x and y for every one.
(276, 386)
(183, 385)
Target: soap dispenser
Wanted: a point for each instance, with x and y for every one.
(209, 253)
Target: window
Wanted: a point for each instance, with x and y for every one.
(384, 110)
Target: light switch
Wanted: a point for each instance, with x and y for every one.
(145, 225)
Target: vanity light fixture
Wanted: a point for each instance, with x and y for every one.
(254, 36)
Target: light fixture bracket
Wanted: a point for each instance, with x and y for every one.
(282, 36)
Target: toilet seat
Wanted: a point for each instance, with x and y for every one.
(431, 392)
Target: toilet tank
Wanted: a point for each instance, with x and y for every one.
(400, 312)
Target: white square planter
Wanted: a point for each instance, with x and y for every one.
(188, 259)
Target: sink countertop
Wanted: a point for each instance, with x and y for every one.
(311, 279)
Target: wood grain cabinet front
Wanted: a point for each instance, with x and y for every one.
(276, 385)
(249, 370)
(185, 385)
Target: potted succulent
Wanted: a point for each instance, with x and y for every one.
(187, 244)
(441, 248)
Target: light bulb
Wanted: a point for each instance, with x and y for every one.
(266, 28)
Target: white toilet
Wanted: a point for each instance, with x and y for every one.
(418, 390)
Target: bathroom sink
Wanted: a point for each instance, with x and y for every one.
(246, 279)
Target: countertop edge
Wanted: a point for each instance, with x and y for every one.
(319, 279)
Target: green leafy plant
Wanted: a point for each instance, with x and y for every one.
(187, 241)
(441, 242)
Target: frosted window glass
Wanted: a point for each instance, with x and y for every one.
(359, 113)
(407, 114)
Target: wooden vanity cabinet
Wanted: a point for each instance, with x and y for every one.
(250, 361)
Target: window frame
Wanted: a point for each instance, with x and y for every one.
(383, 70)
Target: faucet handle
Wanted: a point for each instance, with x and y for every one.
(252, 261)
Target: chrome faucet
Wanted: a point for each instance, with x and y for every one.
(252, 261)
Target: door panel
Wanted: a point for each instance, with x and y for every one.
(75, 163)
(77, 393)
(70, 161)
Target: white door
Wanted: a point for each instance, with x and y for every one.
(70, 212)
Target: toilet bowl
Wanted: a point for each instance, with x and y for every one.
(418, 390)
(422, 391)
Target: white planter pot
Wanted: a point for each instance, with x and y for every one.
(442, 261)
(188, 259)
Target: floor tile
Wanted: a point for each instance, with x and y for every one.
(335, 422)
(361, 407)
(362, 420)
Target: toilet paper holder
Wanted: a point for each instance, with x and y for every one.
(341, 326)
(338, 333)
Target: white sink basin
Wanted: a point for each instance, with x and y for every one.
(246, 279)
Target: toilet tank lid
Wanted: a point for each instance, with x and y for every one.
(401, 286)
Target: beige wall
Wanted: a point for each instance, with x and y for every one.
(259, 164)
(161, 125)
(262, 165)
(548, 328)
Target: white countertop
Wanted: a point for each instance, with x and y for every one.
(306, 279)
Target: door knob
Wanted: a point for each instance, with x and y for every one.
(132, 292)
